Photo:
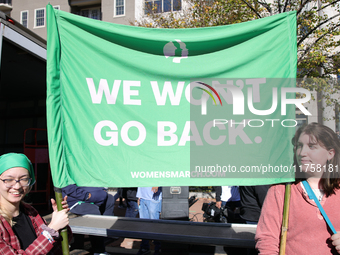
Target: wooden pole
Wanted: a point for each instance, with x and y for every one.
(284, 228)
(63, 232)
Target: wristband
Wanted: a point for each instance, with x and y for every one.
(48, 236)
(51, 231)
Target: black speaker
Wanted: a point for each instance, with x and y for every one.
(175, 203)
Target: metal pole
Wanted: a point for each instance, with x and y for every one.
(63, 232)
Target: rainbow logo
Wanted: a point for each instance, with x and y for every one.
(209, 93)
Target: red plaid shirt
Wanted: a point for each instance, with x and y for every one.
(9, 242)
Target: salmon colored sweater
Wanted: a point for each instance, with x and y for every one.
(307, 232)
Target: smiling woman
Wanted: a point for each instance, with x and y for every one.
(22, 230)
(316, 156)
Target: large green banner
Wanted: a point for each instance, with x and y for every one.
(131, 106)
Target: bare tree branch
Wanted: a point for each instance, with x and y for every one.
(279, 5)
(303, 4)
(286, 4)
(251, 7)
(322, 36)
(332, 56)
(267, 6)
(323, 7)
(316, 27)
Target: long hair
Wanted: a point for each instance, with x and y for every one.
(7, 216)
(328, 139)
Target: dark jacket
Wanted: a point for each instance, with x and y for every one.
(218, 192)
(252, 198)
(75, 194)
(130, 193)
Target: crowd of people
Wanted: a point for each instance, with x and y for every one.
(313, 211)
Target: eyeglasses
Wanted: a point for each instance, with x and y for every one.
(24, 182)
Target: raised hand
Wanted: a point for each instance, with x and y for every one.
(59, 218)
(64, 204)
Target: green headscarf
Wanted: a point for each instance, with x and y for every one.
(11, 160)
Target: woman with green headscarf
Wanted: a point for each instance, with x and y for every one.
(22, 229)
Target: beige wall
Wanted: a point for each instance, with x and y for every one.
(107, 8)
(30, 6)
(108, 12)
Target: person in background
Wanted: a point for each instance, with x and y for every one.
(316, 158)
(150, 205)
(229, 197)
(22, 229)
(130, 195)
(90, 200)
(120, 194)
(252, 198)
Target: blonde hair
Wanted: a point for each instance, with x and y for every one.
(7, 215)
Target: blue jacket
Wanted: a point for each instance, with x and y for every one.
(75, 194)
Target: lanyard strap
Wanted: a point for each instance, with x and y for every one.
(311, 195)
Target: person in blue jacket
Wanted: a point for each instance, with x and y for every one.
(90, 200)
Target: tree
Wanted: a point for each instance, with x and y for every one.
(318, 31)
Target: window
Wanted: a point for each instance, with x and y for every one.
(119, 8)
(39, 18)
(159, 6)
(24, 18)
(91, 13)
(57, 7)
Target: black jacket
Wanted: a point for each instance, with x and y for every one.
(130, 193)
(252, 198)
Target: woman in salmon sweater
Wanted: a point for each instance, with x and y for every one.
(317, 157)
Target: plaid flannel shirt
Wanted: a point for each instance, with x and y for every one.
(9, 242)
